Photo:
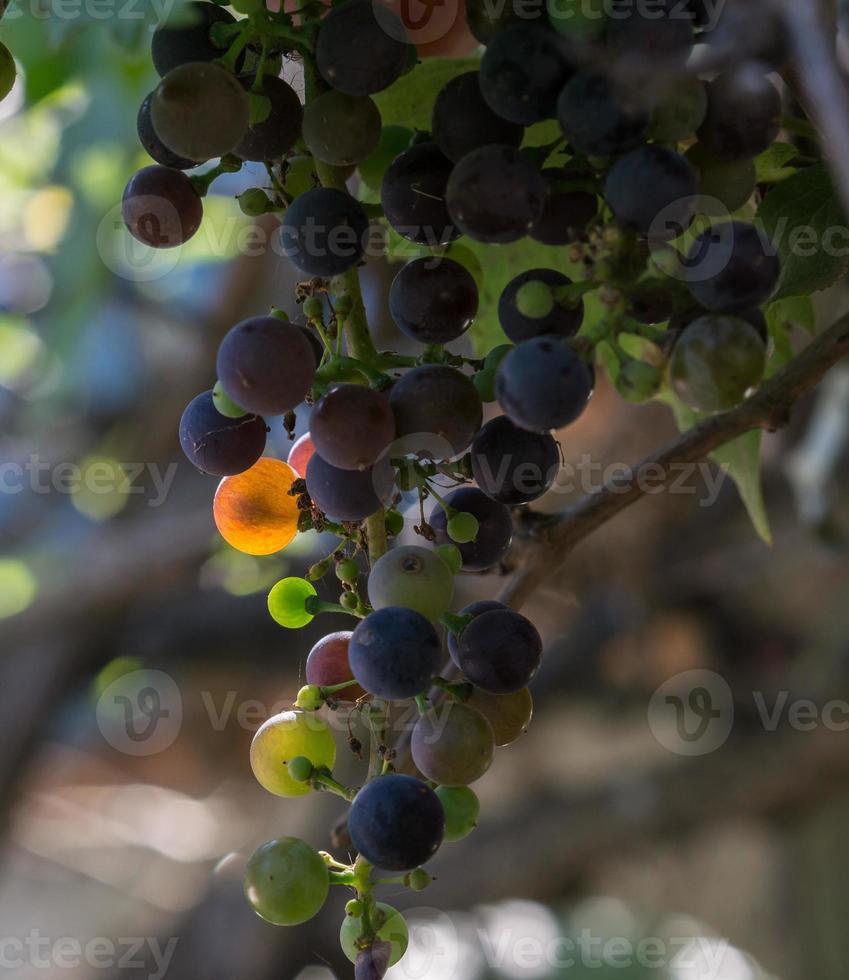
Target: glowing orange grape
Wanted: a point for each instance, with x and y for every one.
(253, 510)
(300, 454)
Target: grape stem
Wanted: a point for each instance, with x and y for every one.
(322, 780)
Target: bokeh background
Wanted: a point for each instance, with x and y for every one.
(597, 843)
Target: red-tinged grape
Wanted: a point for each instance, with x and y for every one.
(161, 207)
(351, 426)
(462, 809)
(452, 744)
(254, 512)
(328, 665)
(389, 926)
(463, 121)
(499, 651)
(495, 528)
(512, 465)
(394, 653)
(396, 822)
(286, 881)
(433, 301)
(301, 453)
(414, 578)
(287, 736)
(219, 445)
(278, 132)
(266, 362)
(438, 400)
(508, 714)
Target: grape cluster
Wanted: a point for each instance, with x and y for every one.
(631, 191)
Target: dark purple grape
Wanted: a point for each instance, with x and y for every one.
(351, 426)
(565, 214)
(650, 302)
(266, 365)
(563, 321)
(452, 744)
(485, 19)
(543, 384)
(732, 267)
(462, 120)
(189, 39)
(500, 651)
(495, 194)
(346, 495)
(743, 114)
(435, 399)
(325, 232)
(523, 72)
(362, 48)
(512, 465)
(394, 653)
(495, 530)
(153, 144)
(599, 119)
(342, 130)
(279, 131)
(161, 207)
(433, 300)
(396, 822)
(652, 191)
(219, 445)
(413, 195)
(314, 342)
(473, 609)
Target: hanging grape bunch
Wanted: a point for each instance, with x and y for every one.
(653, 285)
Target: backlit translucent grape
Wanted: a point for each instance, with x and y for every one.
(285, 737)
(254, 512)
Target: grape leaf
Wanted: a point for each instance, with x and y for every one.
(409, 101)
(782, 318)
(772, 167)
(806, 223)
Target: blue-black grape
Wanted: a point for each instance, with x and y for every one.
(325, 232)
(396, 822)
(543, 384)
(433, 301)
(346, 495)
(512, 465)
(499, 651)
(279, 131)
(495, 194)
(485, 19)
(351, 426)
(495, 528)
(732, 267)
(154, 146)
(189, 40)
(161, 207)
(394, 653)
(563, 321)
(523, 72)
(463, 121)
(473, 609)
(600, 119)
(219, 445)
(652, 190)
(565, 213)
(361, 48)
(436, 399)
(413, 195)
(266, 365)
(743, 114)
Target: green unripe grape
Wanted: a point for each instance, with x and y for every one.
(286, 881)
(390, 927)
(349, 601)
(493, 359)
(715, 361)
(535, 300)
(313, 308)
(301, 769)
(318, 570)
(287, 602)
(283, 738)
(638, 381)
(354, 907)
(254, 202)
(679, 111)
(393, 141)
(225, 404)
(418, 880)
(484, 382)
(462, 809)
(394, 523)
(348, 571)
(8, 71)
(341, 129)
(463, 528)
(579, 20)
(730, 182)
(300, 176)
(451, 555)
(414, 578)
(309, 698)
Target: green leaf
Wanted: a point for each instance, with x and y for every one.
(783, 317)
(802, 216)
(771, 166)
(740, 459)
(409, 102)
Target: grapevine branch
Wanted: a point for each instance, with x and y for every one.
(768, 409)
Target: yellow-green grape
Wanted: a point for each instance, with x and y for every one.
(535, 300)
(224, 404)
(462, 809)
(391, 928)
(254, 202)
(414, 578)
(8, 71)
(463, 528)
(287, 602)
(286, 881)
(285, 737)
(309, 698)
(354, 907)
(418, 880)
